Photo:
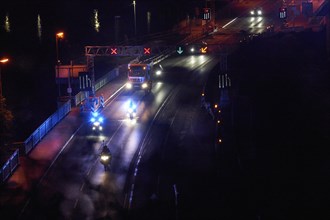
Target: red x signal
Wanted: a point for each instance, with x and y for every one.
(147, 50)
(113, 51)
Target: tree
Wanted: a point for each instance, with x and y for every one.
(6, 122)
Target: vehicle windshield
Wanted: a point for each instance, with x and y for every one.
(137, 71)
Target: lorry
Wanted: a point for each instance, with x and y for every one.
(139, 77)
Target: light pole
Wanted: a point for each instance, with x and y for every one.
(148, 20)
(59, 35)
(4, 60)
(134, 5)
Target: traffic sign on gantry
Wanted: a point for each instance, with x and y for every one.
(147, 50)
(117, 51)
(180, 49)
(113, 51)
(206, 14)
(283, 13)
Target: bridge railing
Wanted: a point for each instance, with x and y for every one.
(8, 166)
(45, 127)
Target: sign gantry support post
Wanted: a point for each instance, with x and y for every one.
(90, 69)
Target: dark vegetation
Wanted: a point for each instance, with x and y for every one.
(283, 83)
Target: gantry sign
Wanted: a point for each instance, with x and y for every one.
(117, 51)
(134, 51)
(93, 51)
(139, 51)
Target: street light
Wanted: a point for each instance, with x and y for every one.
(4, 60)
(59, 35)
(134, 4)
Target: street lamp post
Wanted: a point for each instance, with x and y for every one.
(4, 60)
(59, 35)
(148, 20)
(134, 4)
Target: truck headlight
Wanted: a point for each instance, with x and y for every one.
(128, 85)
(144, 85)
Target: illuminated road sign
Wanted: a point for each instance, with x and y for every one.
(113, 51)
(203, 50)
(85, 81)
(179, 50)
(282, 13)
(206, 14)
(93, 51)
(147, 50)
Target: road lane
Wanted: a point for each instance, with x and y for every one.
(179, 158)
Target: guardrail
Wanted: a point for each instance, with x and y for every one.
(45, 127)
(9, 166)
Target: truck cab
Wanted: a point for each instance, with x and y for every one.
(139, 77)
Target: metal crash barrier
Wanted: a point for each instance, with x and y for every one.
(8, 166)
(45, 127)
